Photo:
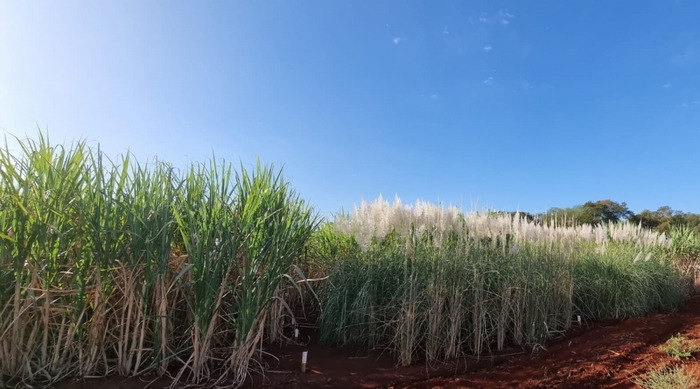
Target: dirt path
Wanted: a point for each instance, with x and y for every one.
(608, 355)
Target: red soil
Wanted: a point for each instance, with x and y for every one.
(608, 354)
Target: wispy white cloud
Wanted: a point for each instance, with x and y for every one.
(487, 81)
(666, 85)
(504, 13)
(487, 48)
(525, 85)
(504, 16)
(690, 55)
(397, 40)
(445, 30)
(433, 96)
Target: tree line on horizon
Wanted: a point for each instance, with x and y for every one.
(605, 211)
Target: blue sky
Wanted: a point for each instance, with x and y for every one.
(500, 104)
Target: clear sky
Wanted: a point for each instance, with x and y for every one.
(502, 104)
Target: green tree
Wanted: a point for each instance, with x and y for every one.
(690, 220)
(649, 219)
(601, 211)
(662, 219)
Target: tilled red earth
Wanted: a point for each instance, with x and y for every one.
(608, 355)
(599, 355)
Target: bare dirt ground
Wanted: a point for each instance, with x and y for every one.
(594, 355)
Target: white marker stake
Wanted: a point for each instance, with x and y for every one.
(296, 334)
(578, 317)
(303, 361)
